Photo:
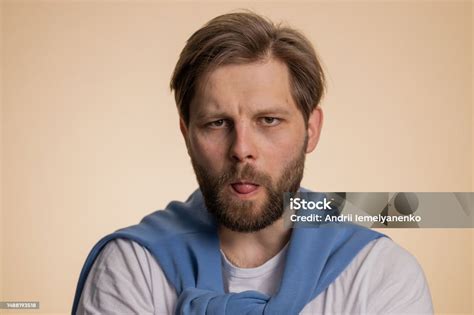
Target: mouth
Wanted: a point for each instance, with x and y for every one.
(244, 188)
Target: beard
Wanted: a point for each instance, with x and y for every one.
(248, 215)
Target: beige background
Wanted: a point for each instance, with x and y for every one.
(90, 140)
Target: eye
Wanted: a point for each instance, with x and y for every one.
(270, 121)
(221, 123)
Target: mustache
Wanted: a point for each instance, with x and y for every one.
(246, 173)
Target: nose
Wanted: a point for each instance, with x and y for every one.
(242, 148)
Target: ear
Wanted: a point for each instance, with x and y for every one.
(315, 124)
(184, 132)
(183, 128)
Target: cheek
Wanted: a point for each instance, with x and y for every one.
(207, 152)
(283, 145)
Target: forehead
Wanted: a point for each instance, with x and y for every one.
(256, 84)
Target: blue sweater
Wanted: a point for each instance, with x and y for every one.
(183, 239)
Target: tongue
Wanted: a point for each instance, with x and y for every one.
(244, 188)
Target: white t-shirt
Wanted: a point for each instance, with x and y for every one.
(383, 278)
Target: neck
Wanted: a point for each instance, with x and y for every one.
(249, 250)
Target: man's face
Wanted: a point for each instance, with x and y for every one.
(247, 141)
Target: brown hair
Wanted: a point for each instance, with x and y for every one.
(245, 37)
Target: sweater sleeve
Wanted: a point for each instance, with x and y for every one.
(126, 279)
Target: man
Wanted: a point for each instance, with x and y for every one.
(247, 93)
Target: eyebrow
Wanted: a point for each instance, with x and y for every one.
(268, 111)
(279, 110)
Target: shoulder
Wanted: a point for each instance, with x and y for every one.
(384, 253)
(121, 255)
(391, 277)
(124, 277)
(382, 278)
(120, 247)
(125, 258)
(382, 260)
